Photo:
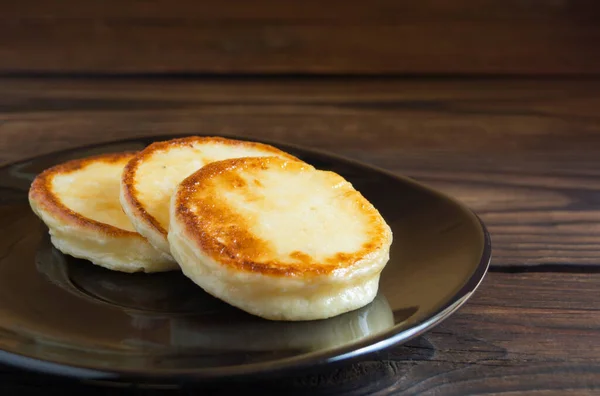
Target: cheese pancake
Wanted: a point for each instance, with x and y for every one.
(79, 202)
(278, 238)
(150, 178)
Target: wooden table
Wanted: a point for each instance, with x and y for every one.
(524, 154)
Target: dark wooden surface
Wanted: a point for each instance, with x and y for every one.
(524, 154)
(311, 36)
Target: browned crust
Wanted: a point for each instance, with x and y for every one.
(129, 173)
(41, 192)
(241, 249)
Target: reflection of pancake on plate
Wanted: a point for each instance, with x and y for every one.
(255, 334)
(195, 319)
(168, 293)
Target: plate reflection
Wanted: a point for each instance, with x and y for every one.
(190, 319)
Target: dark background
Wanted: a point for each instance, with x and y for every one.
(340, 37)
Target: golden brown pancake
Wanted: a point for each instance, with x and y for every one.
(278, 238)
(79, 202)
(150, 178)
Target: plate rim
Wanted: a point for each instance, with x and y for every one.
(342, 354)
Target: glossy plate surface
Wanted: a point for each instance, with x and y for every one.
(66, 316)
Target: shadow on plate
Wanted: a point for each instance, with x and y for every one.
(198, 320)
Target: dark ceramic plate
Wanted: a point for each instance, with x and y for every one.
(68, 317)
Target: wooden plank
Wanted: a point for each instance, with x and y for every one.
(502, 117)
(523, 154)
(310, 10)
(518, 334)
(313, 37)
(540, 210)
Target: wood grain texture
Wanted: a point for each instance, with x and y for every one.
(524, 154)
(309, 37)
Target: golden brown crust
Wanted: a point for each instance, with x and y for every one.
(128, 179)
(42, 194)
(223, 235)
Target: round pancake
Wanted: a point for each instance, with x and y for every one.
(278, 239)
(79, 202)
(149, 179)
